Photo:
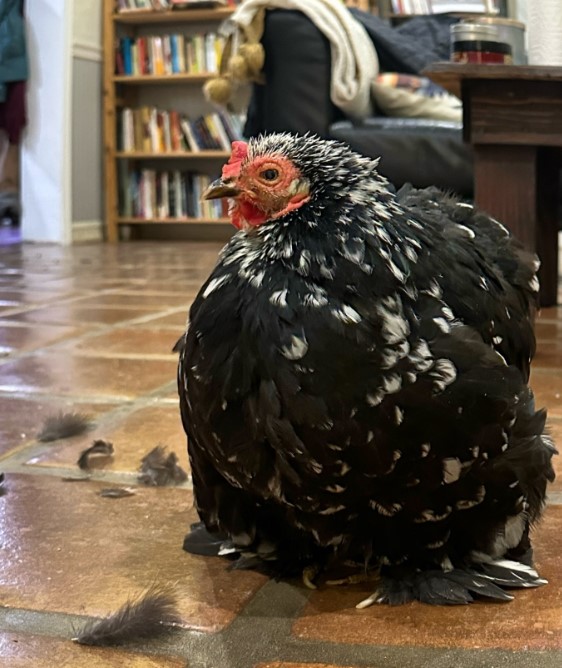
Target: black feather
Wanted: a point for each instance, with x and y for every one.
(152, 614)
(63, 425)
(179, 345)
(158, 468)
(456, 587)
(99, 448)
(202, 542)
(2, 486)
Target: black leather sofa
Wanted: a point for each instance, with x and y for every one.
(296, 98)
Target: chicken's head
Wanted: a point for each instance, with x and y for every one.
(260, 187)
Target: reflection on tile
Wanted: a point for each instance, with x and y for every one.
(130, 341)
(26, 297)
(67, 549)
(132, 438)
(19, 650)
(22, 419)
(130, 299)
(62, 373)
(73, 313)
(14, 337)
(532, 621)
(548, 331)
(551, 313)
(177, 319)
(179, 286)
(549, 354)
(547, 386)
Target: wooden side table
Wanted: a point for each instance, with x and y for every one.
(512, 116)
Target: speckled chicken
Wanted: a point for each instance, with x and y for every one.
(353, 381)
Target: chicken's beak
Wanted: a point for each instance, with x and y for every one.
(219, 189)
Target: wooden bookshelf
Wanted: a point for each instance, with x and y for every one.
(143, 17)
(174, 155)
(162, 79)
(127, 91)
(173, 221)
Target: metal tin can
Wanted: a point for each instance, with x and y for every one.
(508, 31)
(479, 43)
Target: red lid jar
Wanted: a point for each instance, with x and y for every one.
(478, 43)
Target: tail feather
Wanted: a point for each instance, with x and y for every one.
(511, 574)
(459, 586)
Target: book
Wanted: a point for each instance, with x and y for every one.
(189, 135)
(174, 54)
(464, 6)
(153, 130)
(211, 64)
(159, 67)
(224, 139)
(127, 54)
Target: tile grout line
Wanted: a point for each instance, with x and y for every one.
(102, 329)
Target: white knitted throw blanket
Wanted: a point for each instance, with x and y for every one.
(354, 60)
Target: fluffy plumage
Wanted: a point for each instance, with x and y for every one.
(353, 382)
(63, 425)
(150, 615)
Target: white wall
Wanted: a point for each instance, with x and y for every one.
(87, 137)
(45, 162)
(87, 33)
(61, 150)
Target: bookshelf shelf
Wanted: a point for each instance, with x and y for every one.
(178, 155)
(165, 79)
(126, 94)
(141, 17)
(173, 221)
(453, 14)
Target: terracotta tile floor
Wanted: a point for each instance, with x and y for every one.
(91, 329)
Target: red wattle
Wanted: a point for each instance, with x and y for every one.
(246, 213)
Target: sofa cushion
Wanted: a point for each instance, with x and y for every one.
(420, 152)
(410, 96)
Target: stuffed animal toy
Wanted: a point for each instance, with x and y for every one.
(242, 60)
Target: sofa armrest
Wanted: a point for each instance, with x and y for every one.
(296, 95)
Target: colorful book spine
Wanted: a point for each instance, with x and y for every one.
(149, 194)
(153, 130)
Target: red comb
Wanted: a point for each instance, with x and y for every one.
(232, 167)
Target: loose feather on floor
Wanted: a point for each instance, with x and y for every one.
(99, 448)
(116, 492)
(152, 614)
(63, 425)
(2, 486)
(159, 469)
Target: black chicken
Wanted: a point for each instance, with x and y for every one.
(353, 381)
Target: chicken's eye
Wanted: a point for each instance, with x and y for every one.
(269, 174)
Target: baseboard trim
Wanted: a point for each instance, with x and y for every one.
(87, 230)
